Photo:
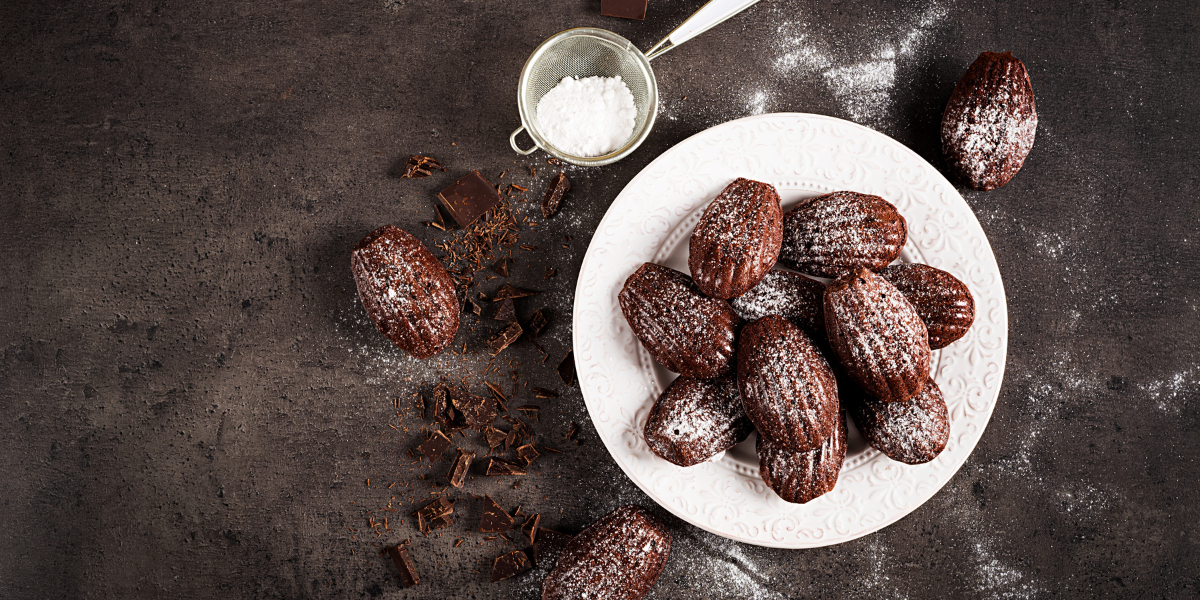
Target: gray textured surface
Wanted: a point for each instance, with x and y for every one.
(189, 388)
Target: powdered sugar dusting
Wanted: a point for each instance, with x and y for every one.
(737, 239)
(789, 295)
(696, 419)
(617, 557)
(831, 234)
(803, 476)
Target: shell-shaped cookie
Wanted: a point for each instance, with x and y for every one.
(792, 296)
(944, 303)
(618, 557)
(877, 336)
(737, 239)
(406, 291)
(787, 388)
(694, 419)
(832, 234)
(688, 332)
(914, 431)
(800, 477)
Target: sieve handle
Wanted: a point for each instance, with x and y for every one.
(710, 15)
(512, 140)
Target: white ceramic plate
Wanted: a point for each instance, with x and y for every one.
(802, 155)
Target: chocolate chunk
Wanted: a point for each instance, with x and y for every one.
(508, 291)
(477, 412)
(404, 564)
(494, 519)
(435, 444)
(494, 437)
(440, 404)
(468, 198)
(548, 546)
(435, 515)
(499, 466)
(560, 184)
(501, 266)
(462, 464)
(544, 393)
(514, 437)
(527, 453)
(566, 368)
(498, 395)
(510, 565)
(420, 166)
(503, 338)
(507, 311)
(537, 322)
(530, 527)
(475, 308)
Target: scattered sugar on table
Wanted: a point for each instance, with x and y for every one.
(592, 116)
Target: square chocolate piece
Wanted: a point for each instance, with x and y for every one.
(626, 9)
(468, 198)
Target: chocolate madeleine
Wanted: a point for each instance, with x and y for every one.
(405, 290)
(619, 557)
(877, 336)
(832, 234)
(792, 296)
(990, 121)
(914, 431)
(943, 302)
(694, 419)
(788, 390)
(737, 239)
(800, 477)
(688, 332)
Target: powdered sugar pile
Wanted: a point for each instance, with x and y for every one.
(592, 116)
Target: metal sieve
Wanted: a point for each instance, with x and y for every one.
(588, 52)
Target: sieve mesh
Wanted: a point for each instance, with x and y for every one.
(585, 53)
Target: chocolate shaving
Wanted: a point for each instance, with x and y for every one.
(477, 412)
(404, 564)
(572, 431)
(548, 546)
(566, 368)
(554, 194)
(510, 565)
(420, 166)
(551, 449)
(527, 453)
(508, 291)
(550, 273)
(537, 322)
(544, 393)
(435, 444)
(528, 247)
(494, 518)
(530, 528)
(503, 338)
(507, 311)
(458, 471)
(499, 466)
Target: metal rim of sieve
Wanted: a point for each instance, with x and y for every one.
(623, 59)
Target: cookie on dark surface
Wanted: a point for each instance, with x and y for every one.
(832, 234)
(406, 291)
(913, 432)
(801, 477)
(618, 557)
(792, 296)
(877, 336)
(943, 302)
(694, 419)
(788, 389)
(990, 121)
(688, 332)
(737, 239)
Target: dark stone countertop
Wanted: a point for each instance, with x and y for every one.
(192, 401)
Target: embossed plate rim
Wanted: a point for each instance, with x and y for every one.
(844, 155)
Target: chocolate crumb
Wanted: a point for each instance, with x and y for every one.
(550, 273)
(554, 194)
(566, 368)
(572, 431)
